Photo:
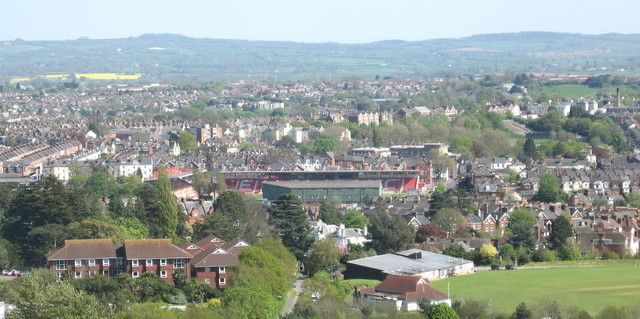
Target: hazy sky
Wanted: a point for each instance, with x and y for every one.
(346, 21)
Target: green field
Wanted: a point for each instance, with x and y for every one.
(588, 288)
(571, 91)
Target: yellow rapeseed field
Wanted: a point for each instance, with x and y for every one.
(89, 76)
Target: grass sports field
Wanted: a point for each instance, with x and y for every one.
(588, 288)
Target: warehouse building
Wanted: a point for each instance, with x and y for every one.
(412, 262)
(339, 191)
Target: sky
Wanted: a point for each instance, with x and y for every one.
(343, 21)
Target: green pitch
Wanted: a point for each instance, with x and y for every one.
(588, 288)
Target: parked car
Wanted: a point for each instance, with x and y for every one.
(496, 267)
(6, 272)
(24, 273)
(15, 273)
(510, 267)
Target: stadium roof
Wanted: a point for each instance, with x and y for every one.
(325, 184)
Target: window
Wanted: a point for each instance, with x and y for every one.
(61, 264)
(222, 270)
(92, 273)
(207, 269)
(178, 263)
(119, 262)
(134, 263)
(77, 275)
(149, 262)
(135, 274)
(105, 262)
(92, 262)
(60, 275)
(222, 281)
(105, 273)
(163, 274)
(78, 262)
(207, 280)
(163, 262)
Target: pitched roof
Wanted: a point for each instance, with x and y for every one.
(209, 241)
(84, 249)
(214, 257)
(153, 248)
(400, 284)
(235, 246)
(409, 288)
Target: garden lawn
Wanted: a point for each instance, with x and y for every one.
(590, 288)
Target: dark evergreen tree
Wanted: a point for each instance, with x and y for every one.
(378, 139)
(35, 221)
(521, 226)
(329, 214)
(529, 150)
(390, 233)
(290, 221)
(522, 312)
(561, 230)
(549, 189)
(167, 206)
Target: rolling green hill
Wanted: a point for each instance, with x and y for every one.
(178, 58)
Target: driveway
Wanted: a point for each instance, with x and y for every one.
(292, 297)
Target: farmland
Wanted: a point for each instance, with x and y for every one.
(591, 288)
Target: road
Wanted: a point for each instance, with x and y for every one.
(292, 297)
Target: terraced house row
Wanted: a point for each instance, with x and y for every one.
(207, 260)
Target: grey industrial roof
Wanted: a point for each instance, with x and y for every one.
(326, 184)
(401, 263)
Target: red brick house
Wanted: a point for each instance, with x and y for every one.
(90, 257)
(85, 258)
(211, 264)
(158, 256)
(207, 260)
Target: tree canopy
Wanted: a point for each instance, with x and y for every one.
(290, 222)
(549, 189)
(390, 233)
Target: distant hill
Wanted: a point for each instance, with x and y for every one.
(168, 57)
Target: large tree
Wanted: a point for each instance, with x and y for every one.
(323, 255)
(521, 227)
(529, 150)
(187, 142)
(291, 223)
(325, 143)
(390, 233)
(378, 139)
(230, 220)
(561, 231)
(549, 189)
(449, 219)
(167, 206)
(37, 218)
(40, 295)
(330, 214)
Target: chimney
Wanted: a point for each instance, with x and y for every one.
(618, 97)
(365, 230)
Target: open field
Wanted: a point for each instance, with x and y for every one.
(588, 287)
(569, 91)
